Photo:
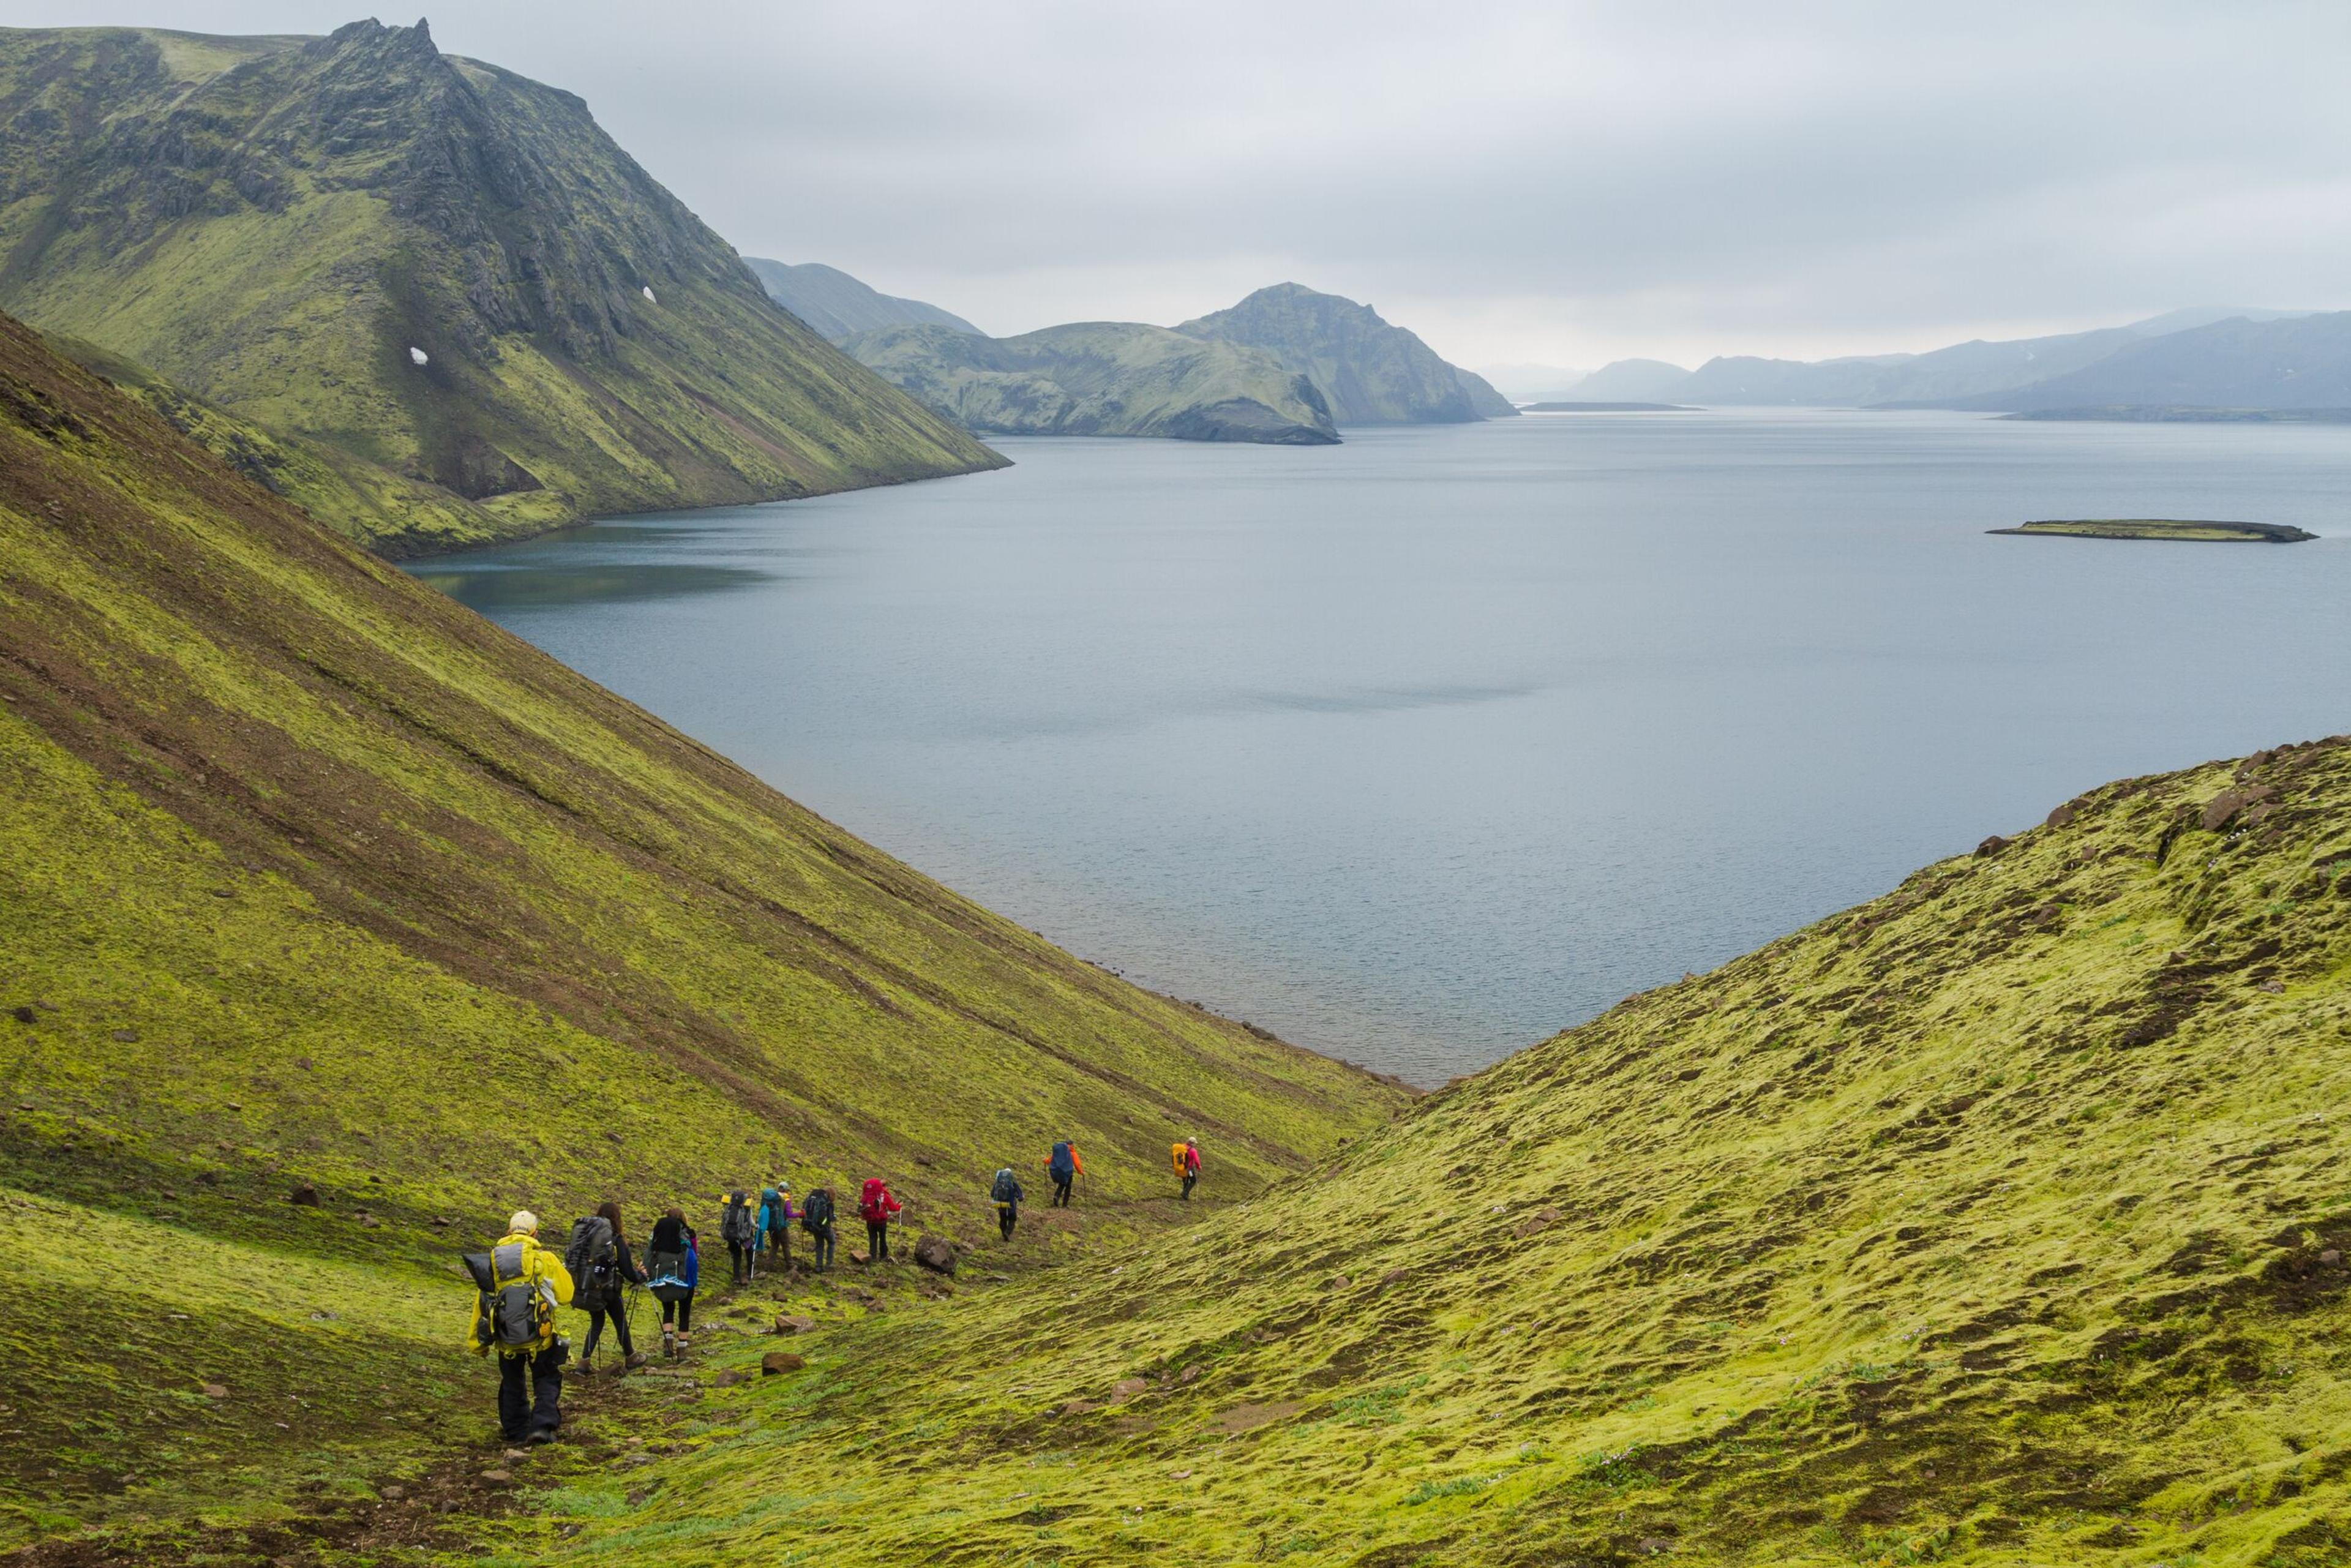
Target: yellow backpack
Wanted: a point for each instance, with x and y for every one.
(1177, 1155)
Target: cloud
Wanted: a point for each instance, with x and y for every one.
(1516, 181)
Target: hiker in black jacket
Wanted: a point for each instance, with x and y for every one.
(602, 1264)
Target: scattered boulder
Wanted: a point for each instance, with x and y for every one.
(730, 1378)
(935, 1253)
(1189, 1375)
(1990, 847)
(786, 1323)
(393, 1493)
(2222, 808)
(1126, 1388)
(305, 1195)
(23, 1014)
(2332, 1257)
(1540, 1220)
(2063, 814)
(1079, 1407)
(777, 1361)
(925, 1162)
(126, 1037)
(1339, 1282)
(498, 1475)
(216, 1390)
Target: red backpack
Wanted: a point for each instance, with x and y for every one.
(876, 1205)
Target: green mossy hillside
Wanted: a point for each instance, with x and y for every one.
(476, 316)
(1101, 378)
(310, 877)
(1999, 1220)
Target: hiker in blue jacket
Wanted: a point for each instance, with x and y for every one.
(1007, 1196)
(775, 1229)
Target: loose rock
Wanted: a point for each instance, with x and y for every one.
(935, 1253)
(1126, 1388)
(215, 1391)
(778, 1361)
(786, 1323)
(305, 1195)
(2223, 808)
(730, 1378)
(1990, 847)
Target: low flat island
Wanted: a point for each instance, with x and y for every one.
(2165, 528)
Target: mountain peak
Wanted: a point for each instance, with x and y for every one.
(1374, 372)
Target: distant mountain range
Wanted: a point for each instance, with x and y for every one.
(839, 306)
(1286, 365)
(427, 298)
(2206, 358)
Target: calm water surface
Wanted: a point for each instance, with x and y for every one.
(1419, 748)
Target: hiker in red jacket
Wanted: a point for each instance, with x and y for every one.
(877, 1205)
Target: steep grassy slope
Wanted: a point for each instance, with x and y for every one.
(310, 876)
(1102, 378)
(282, 226)
(840, 306)
(1370, 371)
(1999, 1220)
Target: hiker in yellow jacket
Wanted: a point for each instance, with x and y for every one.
(522, 1283)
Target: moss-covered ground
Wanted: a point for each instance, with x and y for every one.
(311, 879)
(2000, 1220)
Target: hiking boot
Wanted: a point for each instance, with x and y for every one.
(587, 1368)
(537, 1437)
(636, 1358)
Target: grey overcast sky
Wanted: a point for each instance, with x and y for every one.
(1553, 183)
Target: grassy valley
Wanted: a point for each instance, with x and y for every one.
(439, 289)
(1999, 1220)
(311, 879)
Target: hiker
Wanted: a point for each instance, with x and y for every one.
(738, 1227)
(1186, 1156)
(816, 1218)
(775, 1225)
(598, 1261)
(522, 1283)
(877, 1207)
(675, 1267)
(1007, 1196)
(1064, 1167)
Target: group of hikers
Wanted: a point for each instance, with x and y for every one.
(522, 1283)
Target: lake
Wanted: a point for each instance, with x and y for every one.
(1419, 749)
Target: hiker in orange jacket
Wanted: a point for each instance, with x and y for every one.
(1064, 1167)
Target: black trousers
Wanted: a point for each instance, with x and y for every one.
(1008, 1215)
(1061, 1191)
(610, 1307)
(680, 1313)
(540, 1409)
(779, 1242)
(877, 1240)
(820, 1243)
(1189, 1178)
(738, 1256)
